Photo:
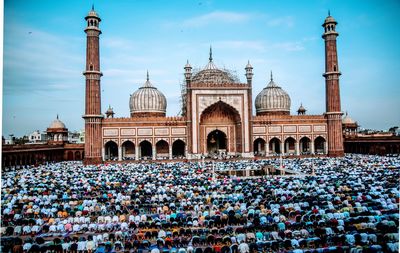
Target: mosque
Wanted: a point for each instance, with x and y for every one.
(217, 115)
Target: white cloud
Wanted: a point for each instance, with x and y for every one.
(240, 44)
(215, 18)
(286, 21)
(36, 60)
(117, 43)
(289, 46)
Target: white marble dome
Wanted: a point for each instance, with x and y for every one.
(57, 124)
(148, 100)
(348, 120)
(272, 100)
(211, 74)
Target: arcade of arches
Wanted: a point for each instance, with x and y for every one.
(33, 154)
(145, 150)
(290, 146)
(220, 130)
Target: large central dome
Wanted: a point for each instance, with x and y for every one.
(147, 101)
(272, 100)
(213, 75)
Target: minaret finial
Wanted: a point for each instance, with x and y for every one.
(92, 7)
(57, 115)
(329, 13)
(147, 76)
(271, 76)
(210, 58)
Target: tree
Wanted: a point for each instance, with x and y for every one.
(393, 130)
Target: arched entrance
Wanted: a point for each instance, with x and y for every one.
(304, 145)
(275, 146)
(290, 146)
(146, 150)
(70, 156)
(78, 156)
(162, 149)
(178, 149)
(259, 147)
(216, 141)
(319, 145)
(128, 150)
(111, 151)
(220, 122)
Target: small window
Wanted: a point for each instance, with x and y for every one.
(91, 67)
(334, 67)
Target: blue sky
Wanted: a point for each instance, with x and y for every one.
(44, 54)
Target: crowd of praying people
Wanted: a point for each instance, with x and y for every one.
(348, 204)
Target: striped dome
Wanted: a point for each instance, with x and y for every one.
(272, 100)
(147, 100)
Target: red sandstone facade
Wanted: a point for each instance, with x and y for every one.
(217, 115)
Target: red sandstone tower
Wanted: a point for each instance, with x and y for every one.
(93, 117)
(333, 111)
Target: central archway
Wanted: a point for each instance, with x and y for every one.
(220, 122)
(216, 141)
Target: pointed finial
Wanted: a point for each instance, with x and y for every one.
(271, 76)
(329, 13)
(92, 7)
(57, 115)
(210, 58)
(147, 76)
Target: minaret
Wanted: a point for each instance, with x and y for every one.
(93, 117)
(249, 77)
(333, 112)
(249, 73)
(188, 104)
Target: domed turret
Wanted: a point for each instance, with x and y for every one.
(92, 13)
(57, 124)
(147, 101)
(57, 132)
(301, 110)
(272, 100)
(349, 125)
(110, 112)
(347, 120)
